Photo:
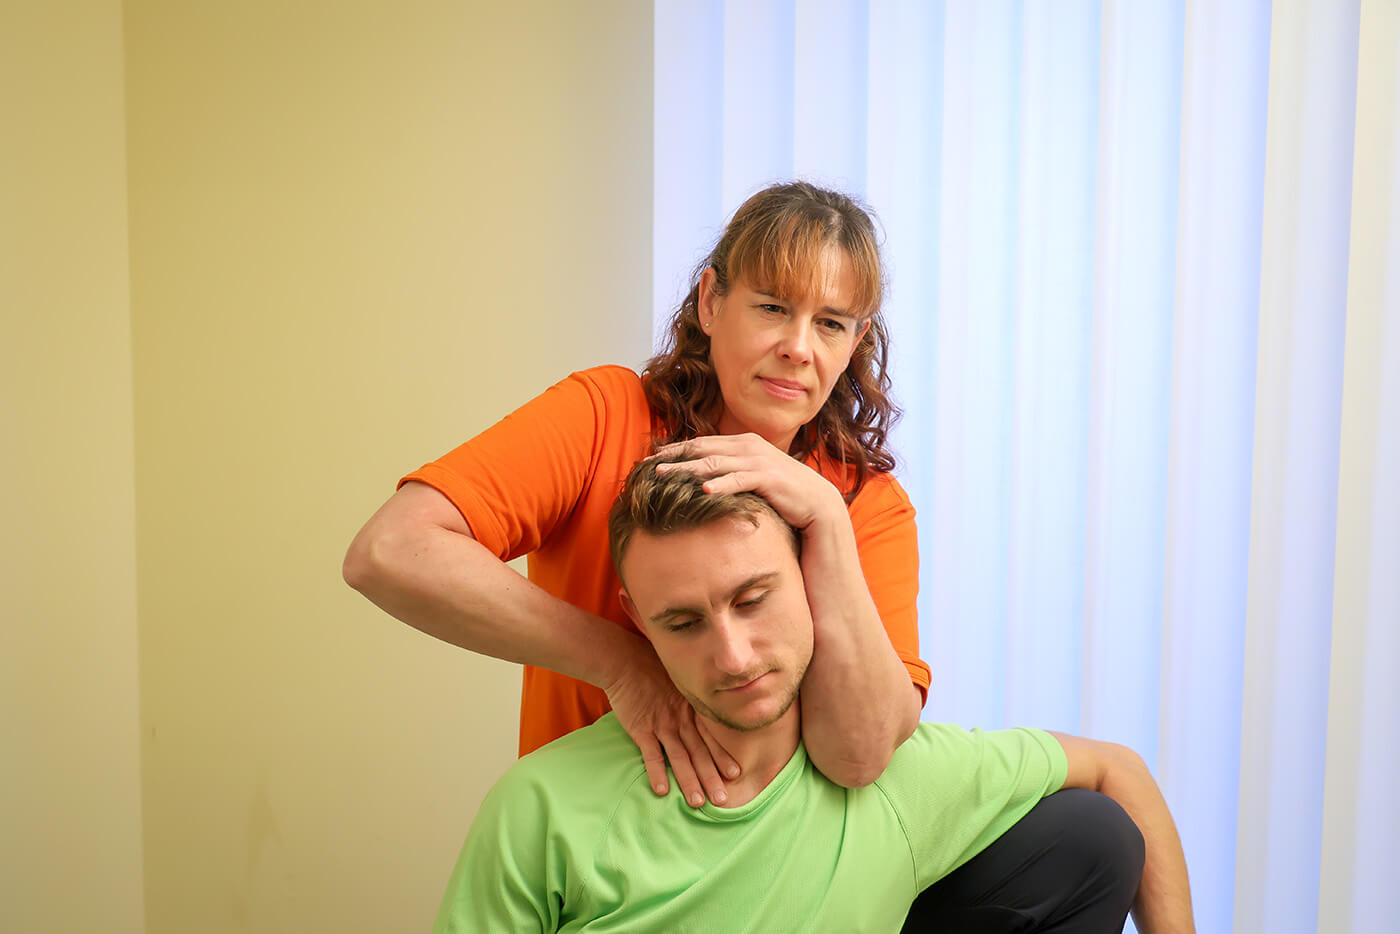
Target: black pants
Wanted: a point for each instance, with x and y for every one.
(1071, 865)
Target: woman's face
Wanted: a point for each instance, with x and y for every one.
(777, 357)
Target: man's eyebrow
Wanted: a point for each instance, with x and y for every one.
(762, 579)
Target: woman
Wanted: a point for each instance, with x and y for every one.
(777, 350)
(774, 374)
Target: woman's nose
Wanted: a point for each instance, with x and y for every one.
(797, 342)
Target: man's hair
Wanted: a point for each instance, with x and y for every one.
(661, 503)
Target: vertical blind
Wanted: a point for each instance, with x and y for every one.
(1145, 315)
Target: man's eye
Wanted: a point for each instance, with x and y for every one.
(751, 602)
(682, 626)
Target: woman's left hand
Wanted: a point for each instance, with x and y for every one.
(748, 463)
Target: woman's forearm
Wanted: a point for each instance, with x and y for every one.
(410, 562)
(858, 702)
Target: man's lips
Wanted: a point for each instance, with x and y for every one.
(746, 684)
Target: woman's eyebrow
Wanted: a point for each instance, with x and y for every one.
(826, 310)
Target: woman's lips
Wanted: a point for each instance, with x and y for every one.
(783, 388)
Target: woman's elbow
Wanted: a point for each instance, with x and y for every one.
(854, 772)
(387, 550)
(855, 775)
(368, 562)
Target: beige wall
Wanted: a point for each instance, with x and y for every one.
(359, 232)
(70, 823)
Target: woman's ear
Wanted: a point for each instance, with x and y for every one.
(707, 302)
(862, 332)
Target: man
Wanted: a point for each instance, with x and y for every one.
(572, 838)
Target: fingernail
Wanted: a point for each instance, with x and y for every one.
(732, 771)
(659, 789)
(719, 797)
(696, 801)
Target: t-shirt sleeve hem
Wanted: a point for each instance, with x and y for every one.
(920, 674)
(1059, 763)
(484, 525)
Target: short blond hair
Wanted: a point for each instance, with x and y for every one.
(675, 501)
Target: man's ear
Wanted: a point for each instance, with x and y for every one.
(629, 607)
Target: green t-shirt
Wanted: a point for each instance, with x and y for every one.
(573, 839)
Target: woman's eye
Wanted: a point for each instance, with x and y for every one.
(833, 325)
(772, 309)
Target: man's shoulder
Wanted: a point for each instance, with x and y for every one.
(597, 760)
(950, 751)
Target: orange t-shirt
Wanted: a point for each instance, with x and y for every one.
(541, 482)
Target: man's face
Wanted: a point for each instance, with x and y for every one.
(725, 608)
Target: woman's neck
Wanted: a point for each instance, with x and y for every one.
(727, 424)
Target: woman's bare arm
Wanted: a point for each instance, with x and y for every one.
(858, 702)
(417, 560)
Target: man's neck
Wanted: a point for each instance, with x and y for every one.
(761, 753)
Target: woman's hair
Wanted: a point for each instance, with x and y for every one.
(776, 240)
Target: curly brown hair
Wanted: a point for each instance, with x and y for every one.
(777, 238)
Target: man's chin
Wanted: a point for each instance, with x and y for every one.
(748, 722)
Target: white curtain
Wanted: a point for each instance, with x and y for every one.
(1145, 305)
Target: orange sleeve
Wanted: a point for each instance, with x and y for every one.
(883, 520)
(517, 480)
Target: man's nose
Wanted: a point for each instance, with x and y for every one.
(733, 649)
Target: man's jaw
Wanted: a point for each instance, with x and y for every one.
(716, 713)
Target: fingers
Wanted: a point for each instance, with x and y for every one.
(703, 763)
(655, 763)
(679, 757)
(711, 465)
(662, 724)
(734, 481)
(718, 444)
(694, 768)
(726, 763)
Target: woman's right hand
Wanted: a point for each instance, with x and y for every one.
(664, 726)
(748, 463)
